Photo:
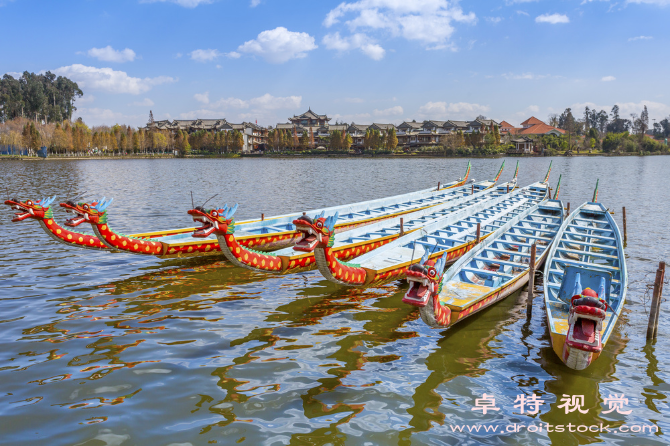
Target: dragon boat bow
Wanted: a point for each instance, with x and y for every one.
(321, 231)
(493, 270)
(264, 235)
(40, 210)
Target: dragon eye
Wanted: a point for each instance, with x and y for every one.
(85, 207)
(29, 202)
(432, 272)
(319, 224)
(215, 214)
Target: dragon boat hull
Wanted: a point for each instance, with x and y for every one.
(588, 254)
(370, 270)
(341, 245)
(466, 290)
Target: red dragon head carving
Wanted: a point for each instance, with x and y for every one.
(213, 220)
(318, 231)
(587, 313)
(94, 212)
(424, 280)
(38, 209)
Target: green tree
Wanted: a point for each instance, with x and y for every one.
(391, 139)
(304, 140)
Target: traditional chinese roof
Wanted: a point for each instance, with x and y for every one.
(457, 124)
(506, 125)
(309, 114)
(385, 127)
(539, 129)
(413, 125)
(531, 121)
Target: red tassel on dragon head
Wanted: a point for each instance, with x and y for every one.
(425, 284)
(213, 220)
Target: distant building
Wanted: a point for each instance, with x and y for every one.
(533, 126)
(522, 146)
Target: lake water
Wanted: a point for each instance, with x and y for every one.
(118, 349)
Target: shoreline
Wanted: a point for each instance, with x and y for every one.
(298, 156)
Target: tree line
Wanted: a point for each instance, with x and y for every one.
(76, 138)
(40, 97)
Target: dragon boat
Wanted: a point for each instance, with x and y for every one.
(321, 230)
(40, 210)
(454, 234)
(585, 283)
(491, 271)
(265, 234)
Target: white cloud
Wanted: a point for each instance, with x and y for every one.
(608, 79)
(110, 80)
(428, 21)
(651, 2)
(353, 100)
(279, 45)
(15, 74)
(105, 116)
(109, 54)
(233, 55)
(86, 99)
(204, 55)
(265, 102)
(178, 55)
(632, 39)
(269, 102)
(202, 97)
(523, 13)
(184, 3)
(144, 103)
(552, 18)
(457, 110)
(254, 3)
(393, 111)
(524, 76)
(267, 109)
(494, 19)
(356, 41)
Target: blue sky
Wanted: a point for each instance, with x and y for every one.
(364, 61)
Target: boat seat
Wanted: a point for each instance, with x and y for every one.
(511, 253)
(588, 228)
(595, 245)
(501, 262)
(560, 273)
(588, 253)
(482, 272)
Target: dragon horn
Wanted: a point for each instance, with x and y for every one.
(333, 221)
(425, 257)
(578, 285)
(105, 205)
(440, 263)
(231, 211)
